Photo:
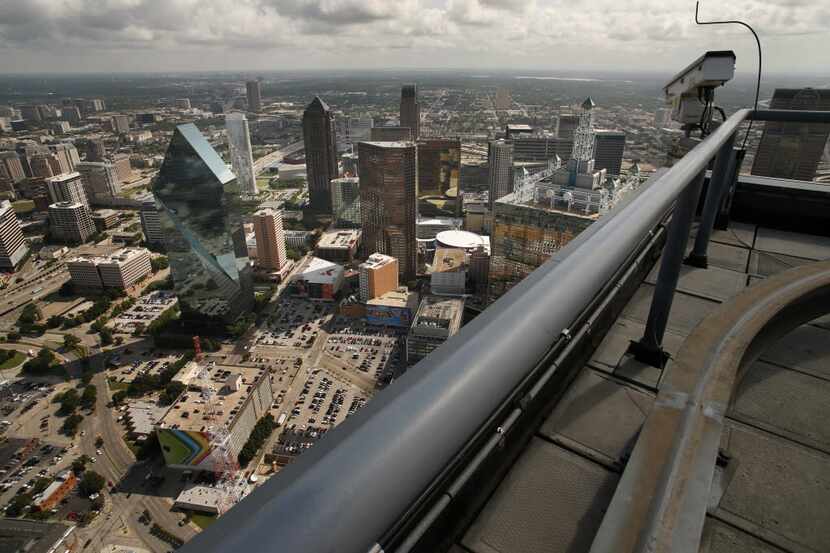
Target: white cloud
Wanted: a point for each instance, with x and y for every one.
(635, 34)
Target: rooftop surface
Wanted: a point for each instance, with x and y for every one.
(448, 260)
(770, 497)
(339, 239)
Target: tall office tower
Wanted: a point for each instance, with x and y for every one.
(254, 96)
(120, 124)
(96, 150)
(270, 239)
(793, 150)
(320, 153)
(388, 201)
(71, 114)
(567, 125)
(500, 176)
(390, 134)
(44, 166)
(503, 100)
(123, 168)
(11, 167)
(479, 272)
(100, 179)
(242, 160)
(360, 130)
(30, 113)
(439, 166)
(150, 214)
(345, 202)
(541, 148)
(411, 109)
(66, 156)
(93, 105)
(70, 222)
(182, 103)
(13, 247)
(68, 187)
(377, 275)
(608, 151)
(201, 219)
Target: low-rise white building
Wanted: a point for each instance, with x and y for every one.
(119, 270)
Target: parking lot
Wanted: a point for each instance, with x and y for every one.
(295, 324)
(324, 401)
(128, 369)
(375, 355)
(146, 310)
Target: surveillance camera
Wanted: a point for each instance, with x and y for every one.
(690, 90)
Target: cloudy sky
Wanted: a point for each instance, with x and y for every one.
(175, 35)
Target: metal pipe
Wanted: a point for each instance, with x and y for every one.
(714, 195)
(356, 482)
(648, 349)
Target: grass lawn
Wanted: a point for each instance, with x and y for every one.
(116, 386)
(202, 520)
(13, 361)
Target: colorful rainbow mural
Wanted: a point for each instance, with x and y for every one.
(184, 447)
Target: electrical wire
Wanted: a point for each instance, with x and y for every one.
(757, 41)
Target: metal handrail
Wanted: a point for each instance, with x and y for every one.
(345, 492)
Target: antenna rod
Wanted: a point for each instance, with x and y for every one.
(757, 41)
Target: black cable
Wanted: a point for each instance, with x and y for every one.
(757, 41)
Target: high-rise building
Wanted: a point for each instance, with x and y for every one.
(500, 176)
(67, 187)
(44, 166)
(320, 153)
(93, 105)
(123, 168)
(182, 103)
(31, 112)
(388, 201)
(345, 202)
(793, 150)
(270, 240)
(120, 124)
(360, 129)
(377, 276)
(439, 166)
(541, 147)
(242, 160)
(71, 114)
(13, 247)
(100, 179)
(70, 222)
(568, 122)
(202, 212)
(96, 150)
(438, 319)
(254, 96)
(66, 155)
(608, 151)
(390, 134)
(150, 214)
(410, 109)
(10, 167)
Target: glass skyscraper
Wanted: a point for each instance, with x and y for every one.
(201, 218)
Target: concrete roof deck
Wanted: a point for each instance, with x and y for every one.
(773, 498)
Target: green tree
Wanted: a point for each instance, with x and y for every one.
(79, 464)
(159, 263)
(69, 401)
(89, 396)
(91, 483)
(70, 341)
(70, 425)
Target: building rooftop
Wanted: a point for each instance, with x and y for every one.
(377, 260)
(339, 239)
(438, 314)
(448, 260)
(399, 298)
(462, 239)
(190, 411)
(119, 257)
(391, 144)
(319, 271)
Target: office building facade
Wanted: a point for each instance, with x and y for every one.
(254, 93)
(391, 134)
(541, 147)
(100, 179)
(70, 222)
(377, 276)
(270, 240)
(67, 187)
(793, 150)
(500, 175)
(13, 247)
(388, 201)
(242, 161)
(345, 202)
(119, 270)
(201, 218)
(609, 147)
(120, 124)
(439, 166)
(150, 214)
(320, 153)
(411, 110)
(11, 168)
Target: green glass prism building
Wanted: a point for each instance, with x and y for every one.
(201, 218)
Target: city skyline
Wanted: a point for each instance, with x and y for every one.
(73, 36)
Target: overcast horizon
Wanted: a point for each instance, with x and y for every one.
(249, 36)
